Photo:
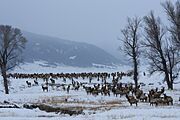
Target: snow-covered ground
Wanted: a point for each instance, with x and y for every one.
(95, 107)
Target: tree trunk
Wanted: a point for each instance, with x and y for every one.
(169, 83)
(171, 86)
(171, 80)
(5, 82)
(135, 73)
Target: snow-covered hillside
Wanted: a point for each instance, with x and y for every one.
(94, 107)
(65, 52)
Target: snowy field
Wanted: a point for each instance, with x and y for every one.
(94, 107)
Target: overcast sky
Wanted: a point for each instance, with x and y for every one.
(94, 21)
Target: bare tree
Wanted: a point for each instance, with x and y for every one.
(173, 14)
(172, 57)
(173, 47)
(11, 45)
(130, 40)
(156, 48)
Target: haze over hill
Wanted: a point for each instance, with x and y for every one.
(97, 22)
(65, 52)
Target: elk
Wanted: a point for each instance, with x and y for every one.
(52, 81)
(131, 100)
(45, 87)
(168, 99)
(28, 83)
(36, 82)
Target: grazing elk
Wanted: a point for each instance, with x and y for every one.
(120, 92)
(157, 93)
(155, 98)
(143, 98)
(88, 89)
(52, 81)
(168, 99)
(138, 93)
(105, 90)
(45, 87)
(28, 83)
(36, 82)
(153, 101)
(68, 88)
(131, 100)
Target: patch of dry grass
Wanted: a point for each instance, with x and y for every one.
(117, 117)
(165, 116)
(78, 104)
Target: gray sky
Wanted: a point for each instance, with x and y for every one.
(94, 21)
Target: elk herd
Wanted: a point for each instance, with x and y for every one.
(115, 87)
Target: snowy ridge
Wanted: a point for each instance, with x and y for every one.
(66, 52)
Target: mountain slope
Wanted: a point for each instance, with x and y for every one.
(55, 50)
